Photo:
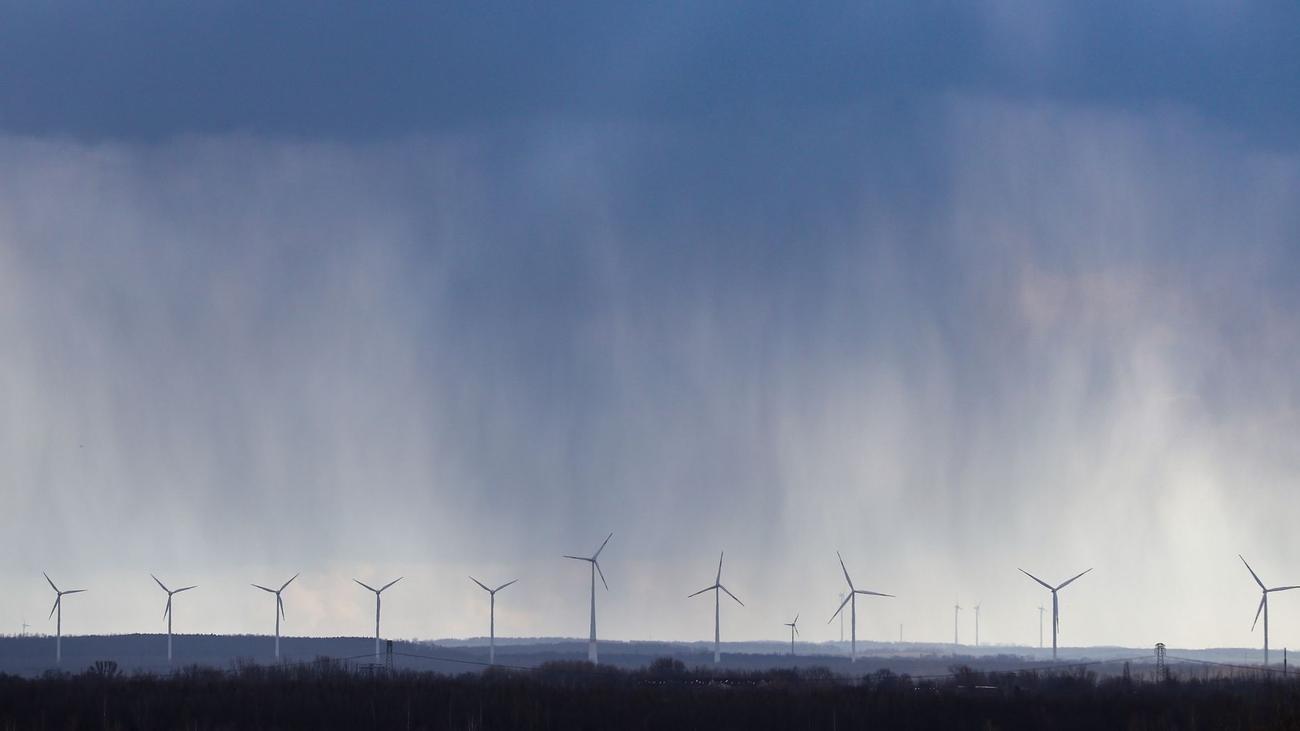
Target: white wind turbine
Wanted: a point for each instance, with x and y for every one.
(279, 609)
(852, 601)
(1056, 609)
(58, 607)
(167, 611)
(956, 612)
(977, 625)
(794, 630)
(717, 610)
(492, 617)
(377, 592)
(1041, 609)
(1263, 604)
(595, 569)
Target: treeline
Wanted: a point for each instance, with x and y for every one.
(666, 694)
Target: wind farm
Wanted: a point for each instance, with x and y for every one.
(401, 305)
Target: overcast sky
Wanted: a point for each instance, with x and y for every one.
(953, 288)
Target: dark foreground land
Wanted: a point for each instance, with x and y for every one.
(666, 695)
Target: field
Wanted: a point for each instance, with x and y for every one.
(666, 694)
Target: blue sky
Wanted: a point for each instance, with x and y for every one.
(950, 288)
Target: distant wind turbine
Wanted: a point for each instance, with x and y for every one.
(1056, 608)
(492, 617)
(377, 592)
(58, 608)
(595, 569)
(956, 612)
(794, 630)
(717, 611)
(1263, 604)
(1041, 609)
(167, 611)
(977, 625)
(852, 601)
(279, 609)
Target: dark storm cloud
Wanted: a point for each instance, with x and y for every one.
(148, 70)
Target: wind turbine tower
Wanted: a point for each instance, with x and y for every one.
(1263, 604)
(717, 610)
(1056, 607)
(595, 569)
(279, 609)
(377, 592)
(794, 630)
(167, 612)
(492, 617)
(956, 612)
(58, 608)
(852, 601)
(977, 625)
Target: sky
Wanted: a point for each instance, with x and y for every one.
(447, 290)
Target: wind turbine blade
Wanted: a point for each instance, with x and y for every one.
(796, 632)
(476, 581)
(596, 563)
(1284, 588)
(596, 555)
(508, 583)
(366, 585)
(847, 597)
(290, 581)
(577, 558)
(187, 588)
(56, 605)
(1252, 572)
(718, 580)
(1046, 585)
(52, 586)
(1257, 611)
(1062, 586)
(279, 602)
(733, 596)
(796, 619)
(846, 571)
(167, 609)
(394, 581)
(701, 591)
(72, 591)
(263, 588)
(160, 584)
(874, 593)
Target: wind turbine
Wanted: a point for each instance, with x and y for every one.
(852, 601)
(956, 612)
(977, 625)
(492, 617)
(1056, 609)
(279, 609)
(167, 612)
(794, 630)
(595, 569)
(717, 611)
(377, 592)
(58, 607)
(1263, 604)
